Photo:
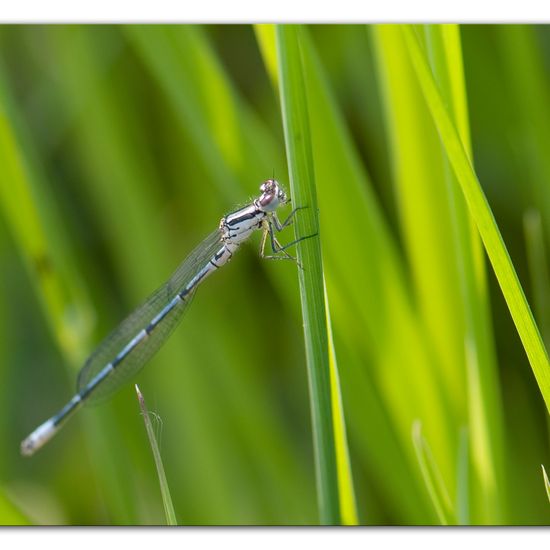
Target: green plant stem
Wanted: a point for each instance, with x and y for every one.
(302, 181)
(164, 489)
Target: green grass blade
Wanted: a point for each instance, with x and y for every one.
(369, 300)
(348, 510)
(302, 183)
(445, 53)
(432, 477)
(10, 514)
(526, 74)
(265, 36)
(164, 489)
(546, 482)
(425, 212)
(463, 480)
(225, 132)
(482, 215)
(425, 215)
(538, 269)
(22, 198)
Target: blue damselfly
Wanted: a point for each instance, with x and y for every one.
(125, 351)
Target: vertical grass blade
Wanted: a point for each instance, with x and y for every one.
(483, 216)
(425, 218)
(265, 36)
(463, 480)
(484, 407)
(348, 510)
(164, 489)
(21, 194)
(369, 301)
(425, 212)
(432, 477)
(538, 269)
(302, 182)
(526, 75)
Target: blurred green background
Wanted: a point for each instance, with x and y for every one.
(120, 149)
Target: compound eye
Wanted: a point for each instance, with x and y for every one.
(268, 186)
(272, 195)
(267, 198)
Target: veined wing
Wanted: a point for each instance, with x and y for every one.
(137, 321)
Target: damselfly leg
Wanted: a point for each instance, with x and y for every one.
(281, 225)
(279, 250)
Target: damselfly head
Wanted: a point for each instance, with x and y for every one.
(273, 195)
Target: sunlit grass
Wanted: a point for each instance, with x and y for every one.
(321, 363)
(483, 216)
(439, 494)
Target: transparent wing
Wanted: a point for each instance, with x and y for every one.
(138, 320)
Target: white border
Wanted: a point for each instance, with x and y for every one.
(238, 11)
(277, 538)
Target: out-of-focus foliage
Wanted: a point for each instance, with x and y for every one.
(120, 149)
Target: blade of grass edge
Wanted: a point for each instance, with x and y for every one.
(483, 216)
(432, 477)
(538, 269)
(444, 49)
(164, 489)
(348, 508)
(265, 37)
(463, 479)
(546, 482)
(302, 184)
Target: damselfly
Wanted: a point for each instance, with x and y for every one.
(125, 351)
